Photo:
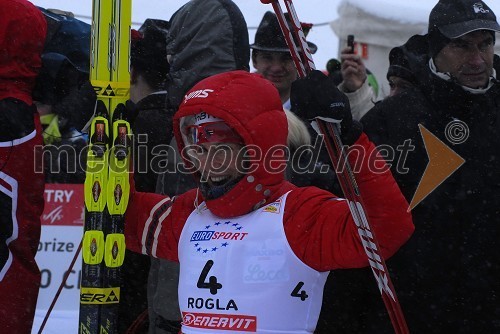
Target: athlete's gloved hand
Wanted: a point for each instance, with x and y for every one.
(316, 95)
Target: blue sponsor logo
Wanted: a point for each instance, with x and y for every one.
(202, 235)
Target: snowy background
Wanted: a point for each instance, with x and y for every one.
(402, 18)
(319, 12)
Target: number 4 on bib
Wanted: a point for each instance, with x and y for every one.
(212, 284)
(299, 293)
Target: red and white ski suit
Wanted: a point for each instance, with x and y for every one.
(22, 36)
(318, 226)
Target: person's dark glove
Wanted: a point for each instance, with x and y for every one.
(316, 95)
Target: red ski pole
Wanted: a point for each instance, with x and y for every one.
(304, 63)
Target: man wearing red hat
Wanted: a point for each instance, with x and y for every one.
(255, 250)
(22, 35)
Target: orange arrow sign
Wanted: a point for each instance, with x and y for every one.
(443, 162)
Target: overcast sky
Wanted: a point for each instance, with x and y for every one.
(319, 12)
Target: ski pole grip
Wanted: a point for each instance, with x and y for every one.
(266, 2)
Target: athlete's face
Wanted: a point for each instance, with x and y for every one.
(218, 163)
(277, 67)
(468, 59)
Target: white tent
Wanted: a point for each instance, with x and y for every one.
(380, 25)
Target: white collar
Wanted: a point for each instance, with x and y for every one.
(447, 77)
(159, 92)
(287, 105)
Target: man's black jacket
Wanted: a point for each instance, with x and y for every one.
(447, 276)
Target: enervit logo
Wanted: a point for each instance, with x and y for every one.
(202, 94)
(220, 322)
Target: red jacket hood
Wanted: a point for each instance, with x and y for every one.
(22, 37)
(251, 105)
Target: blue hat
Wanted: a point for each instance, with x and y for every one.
(68, 39)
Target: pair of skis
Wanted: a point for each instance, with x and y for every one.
(329, 128)
(106, 185)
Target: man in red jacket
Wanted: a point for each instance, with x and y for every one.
(255, 250)
(22, 35)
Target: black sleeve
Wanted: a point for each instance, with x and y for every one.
(16, 119)
(393, 126)
(174, 181)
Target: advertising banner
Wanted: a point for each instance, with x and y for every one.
(62, 229)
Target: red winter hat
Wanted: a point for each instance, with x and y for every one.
(22, 37)
(251, 106)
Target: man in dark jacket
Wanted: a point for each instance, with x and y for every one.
(151, 121)
(151, 125)
(446, 276)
